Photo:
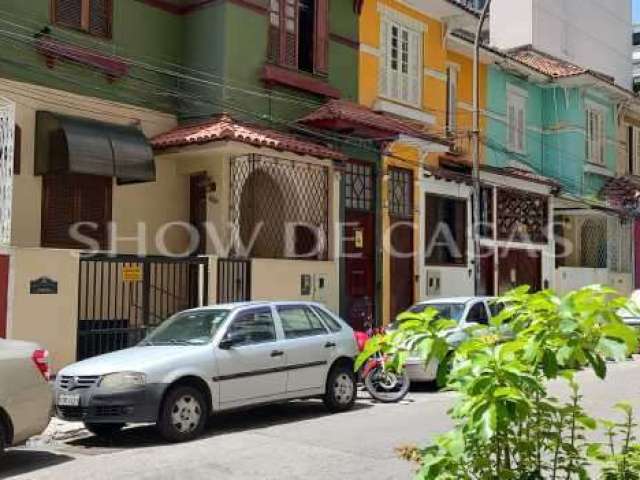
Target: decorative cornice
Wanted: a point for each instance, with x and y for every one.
(349, 42)
(186, 9)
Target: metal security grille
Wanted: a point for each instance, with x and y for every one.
(358, 182)
(521, 217)
(121, 297)
(400, 193)
(279, 208)
(593, 243)
(234, 280)
(620, 244)
(7, 129)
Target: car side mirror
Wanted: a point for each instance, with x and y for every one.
(226, 343)
(231, 339)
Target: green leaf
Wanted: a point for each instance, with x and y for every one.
(549, 364)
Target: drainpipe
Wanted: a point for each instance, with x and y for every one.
(476, 148)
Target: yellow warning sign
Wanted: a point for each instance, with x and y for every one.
(132, 273)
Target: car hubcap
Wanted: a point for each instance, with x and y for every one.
(343, 388)
(185, 414)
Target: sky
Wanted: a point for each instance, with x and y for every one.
(636, 11)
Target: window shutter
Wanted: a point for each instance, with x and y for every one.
(68, 199)
(415, 65)
(58, 207)
(321, 54)
(520, 129)
(385, 58)
(68, 13)
(275, 16)
(289, 33)
(511, 126)
(100, 18)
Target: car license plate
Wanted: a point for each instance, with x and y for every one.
(68, 400)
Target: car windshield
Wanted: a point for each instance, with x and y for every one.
(451, 311)
(187, 328)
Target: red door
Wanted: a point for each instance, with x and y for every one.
(4, 288)
(360, 267)
(402, 273)
(487, 277)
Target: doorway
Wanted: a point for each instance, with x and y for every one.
(401, 232)
(4, 291)
(198, 184)
(519, 267)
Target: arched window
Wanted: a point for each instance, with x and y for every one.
(593, 243)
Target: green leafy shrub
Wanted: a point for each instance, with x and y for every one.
(507, 426)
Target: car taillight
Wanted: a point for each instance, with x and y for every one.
(41, 361)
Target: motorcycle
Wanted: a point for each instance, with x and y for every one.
(383, 384)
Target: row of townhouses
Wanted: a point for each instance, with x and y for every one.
(230, 150)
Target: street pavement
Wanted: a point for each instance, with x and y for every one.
(299, 440)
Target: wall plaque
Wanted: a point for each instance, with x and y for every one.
(43, 286)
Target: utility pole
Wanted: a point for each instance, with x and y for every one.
(476, 149)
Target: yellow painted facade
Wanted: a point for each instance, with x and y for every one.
(438, 53)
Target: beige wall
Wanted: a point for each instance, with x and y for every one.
(151, 200)
(50, 320)
(280, 280)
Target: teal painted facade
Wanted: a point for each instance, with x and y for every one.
(555, 140)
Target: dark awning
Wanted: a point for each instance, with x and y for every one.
(78, 145)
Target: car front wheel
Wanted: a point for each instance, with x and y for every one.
(340, 393)
(183, 414)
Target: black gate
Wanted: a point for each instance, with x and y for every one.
(121, 297)
(234, 280)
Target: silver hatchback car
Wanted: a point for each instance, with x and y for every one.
(212, 359)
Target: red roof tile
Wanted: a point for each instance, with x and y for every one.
(550, 65)
(225, 128)
(360, 115)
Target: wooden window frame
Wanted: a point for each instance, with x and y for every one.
(394, 83)
(595, 135)
(516, 120)
(85, 19)
(283, 14)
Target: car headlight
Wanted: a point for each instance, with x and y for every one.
(122, 380)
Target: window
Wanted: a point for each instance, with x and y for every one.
(516, 120)
(401, 193)
(358, 182)
(69, 199)
(298, 321)
(452, 98)
(298, 34)
(90, 16)
(478, 314)
(445, 230)
(400, 63)
(251, 328)
(595, 136)
(634, 150)
(593, 243)
(328, 319)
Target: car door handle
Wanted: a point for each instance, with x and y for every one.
(329, 345)
(277, 353)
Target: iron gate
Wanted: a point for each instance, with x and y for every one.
(121, 297)
(234, 280)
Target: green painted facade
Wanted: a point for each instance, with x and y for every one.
(140, 32)
(555, 136)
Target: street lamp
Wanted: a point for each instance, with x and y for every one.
(476, 147)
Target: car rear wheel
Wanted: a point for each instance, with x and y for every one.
(104, 429)
(340, 392)
(3, 438)
(183, 414)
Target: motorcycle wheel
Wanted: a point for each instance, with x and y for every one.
(386, 386)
